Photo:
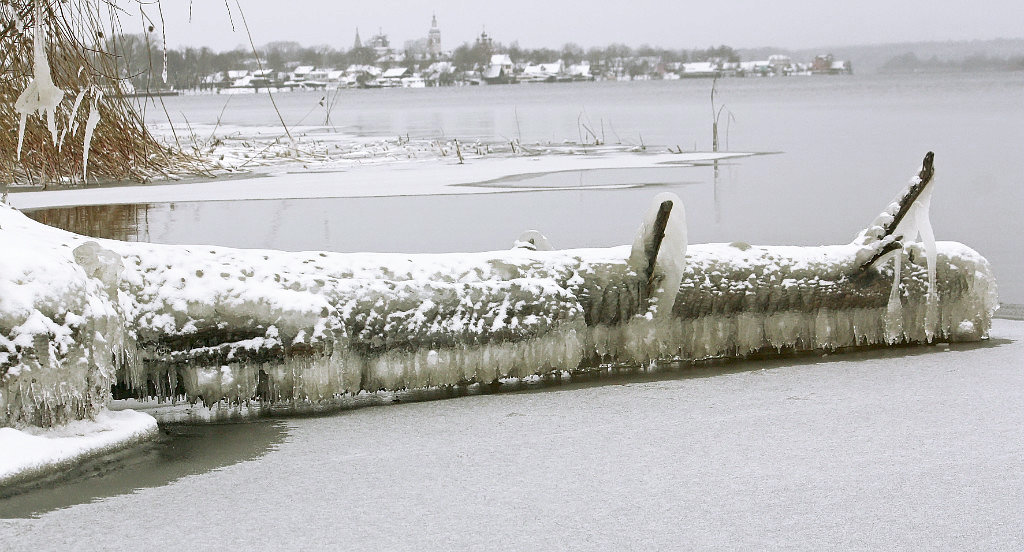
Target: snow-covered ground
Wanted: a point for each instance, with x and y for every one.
(32, 452)
(896, 449)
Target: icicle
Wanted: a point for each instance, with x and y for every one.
(72, 124)
(894, 310)
(41, 95)
(916, 225)
(924, 225)
(90, 126)
(21, 133)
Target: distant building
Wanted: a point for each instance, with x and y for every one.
(358, 43)
(302, 72)
(580, 71)
(393, 77)
(701, 69)
(826, 64)
(543, 72)
(500, 70)
(434, 38)
(780, 63)
(380, 43)
(485, 40)
(760, 68)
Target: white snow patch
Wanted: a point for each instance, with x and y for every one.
(32, 452)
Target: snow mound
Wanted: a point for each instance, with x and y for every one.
(29, 453)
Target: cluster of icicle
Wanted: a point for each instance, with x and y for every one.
(63, 333)
(42, 96)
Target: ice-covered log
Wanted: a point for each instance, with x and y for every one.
(216, 324)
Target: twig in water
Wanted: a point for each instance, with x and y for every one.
(519, 131)
(213, 134)
(618, 139)
(458, 151)
(728, 120)
(191, 132)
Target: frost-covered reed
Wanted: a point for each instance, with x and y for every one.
(61, 87)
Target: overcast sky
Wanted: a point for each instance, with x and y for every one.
(551, 23)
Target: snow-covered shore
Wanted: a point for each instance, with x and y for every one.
(31, 453)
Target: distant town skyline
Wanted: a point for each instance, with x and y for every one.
(552, 23)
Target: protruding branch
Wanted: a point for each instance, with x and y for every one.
(889, 239)
(924, 177)
(654, 246)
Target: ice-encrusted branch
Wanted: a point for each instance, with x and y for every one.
(904, 220)
(660, 249)
(882, 234)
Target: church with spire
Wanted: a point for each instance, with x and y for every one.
(434, 38)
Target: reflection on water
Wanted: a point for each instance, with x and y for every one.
(116, 222)
(179, 451)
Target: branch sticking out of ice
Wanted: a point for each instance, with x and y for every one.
(904, 221)
(534, 241)
(659, 250)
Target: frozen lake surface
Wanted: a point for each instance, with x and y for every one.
(893, 449)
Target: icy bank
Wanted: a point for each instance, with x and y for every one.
(33, 452)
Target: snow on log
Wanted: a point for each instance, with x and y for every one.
(215, 324)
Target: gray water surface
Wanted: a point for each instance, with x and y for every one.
(178, 451)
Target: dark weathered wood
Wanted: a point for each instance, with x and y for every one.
(924, 178)
(888, 248)
(652, 249)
